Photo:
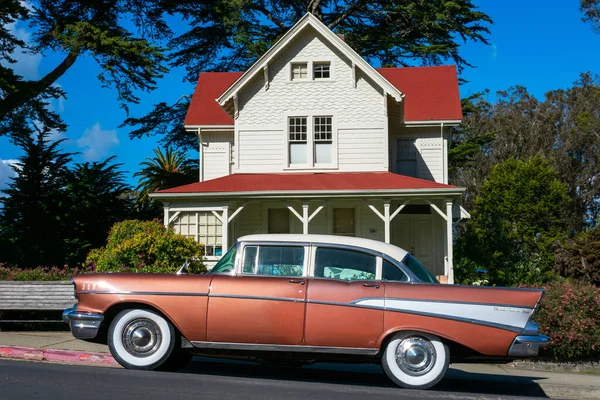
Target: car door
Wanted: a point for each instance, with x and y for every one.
(264, 302)
(344, 300)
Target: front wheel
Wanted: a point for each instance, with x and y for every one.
(141, 339)
(415, 360)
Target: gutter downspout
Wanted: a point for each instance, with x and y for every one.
(201, 166)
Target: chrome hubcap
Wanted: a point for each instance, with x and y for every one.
(141, 337)
(415, 356)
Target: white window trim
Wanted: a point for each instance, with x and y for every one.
(310, 75)
(310, 142)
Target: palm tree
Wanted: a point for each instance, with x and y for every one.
(163, 171)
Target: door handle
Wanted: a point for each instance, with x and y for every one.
(375, 285)
(297, 281)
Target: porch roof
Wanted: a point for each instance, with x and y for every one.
(313, 184)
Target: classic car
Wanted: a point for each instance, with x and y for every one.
(303, 298)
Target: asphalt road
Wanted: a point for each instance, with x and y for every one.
(210, 379)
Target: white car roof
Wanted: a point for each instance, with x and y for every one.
(385, 248)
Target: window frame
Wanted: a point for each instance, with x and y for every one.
(310, 144)
(300, 63)
(397, 159)
(310, 69)
(314, 71)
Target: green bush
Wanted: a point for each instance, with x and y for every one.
(570, 316)
(146, 246)
(579, 257)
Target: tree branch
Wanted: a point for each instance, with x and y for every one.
(349, 11)
(271, 17)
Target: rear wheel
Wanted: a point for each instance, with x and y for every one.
(142, 339)
(415, 360)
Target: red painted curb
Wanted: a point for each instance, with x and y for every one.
(54, 355)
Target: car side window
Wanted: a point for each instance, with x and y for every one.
(344, 264)
(273, 260)
(392, 272)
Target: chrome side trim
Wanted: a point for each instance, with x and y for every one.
(475, 303)
(142, 293)
(527, 346)
(239, 296)
(284, 347)
(83, 325)
(424, 314)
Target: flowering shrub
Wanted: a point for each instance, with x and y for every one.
(40, 273)
(570, 316)
(146, 246)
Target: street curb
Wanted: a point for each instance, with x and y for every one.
(64, 356)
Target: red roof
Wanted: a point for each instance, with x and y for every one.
(204, 109)
(295, 182)
(431, 94)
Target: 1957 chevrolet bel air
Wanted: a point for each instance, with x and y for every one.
(304, 298)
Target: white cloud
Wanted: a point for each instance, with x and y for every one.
(96, 142)
(57, 105)
(494, 54)
(6, 172)
(27, 65)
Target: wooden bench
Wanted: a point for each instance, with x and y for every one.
(24, 298)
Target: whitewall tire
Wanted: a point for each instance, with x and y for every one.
(141, 339)
(415, 360)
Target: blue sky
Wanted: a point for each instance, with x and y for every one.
(542, 45)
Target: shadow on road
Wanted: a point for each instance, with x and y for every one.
(367, 375)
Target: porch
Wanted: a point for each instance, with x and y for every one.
(420, 220)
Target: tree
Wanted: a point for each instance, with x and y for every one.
(591, 13)
(126, 53)
(579, 257)
(98, 199)
(518, 215)
(35, 204)
(163, 171)
(564, 127)
(229, 35)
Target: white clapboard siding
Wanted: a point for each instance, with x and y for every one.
(260, 151)
(361, 150)
(216, 162)
(26, 295)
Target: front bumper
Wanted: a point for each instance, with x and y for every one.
(529, 343)
(83, 325)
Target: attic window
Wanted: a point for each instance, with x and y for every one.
(299, 71)
(321, 70)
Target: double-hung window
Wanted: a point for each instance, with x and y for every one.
(311, 145)
(323, 140)
(298, 140)
(406, 157)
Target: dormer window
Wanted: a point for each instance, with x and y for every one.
(299, 71)
(321, 70)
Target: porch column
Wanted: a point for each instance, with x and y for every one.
(386, 221)
(225, 230)
(449, 242)
(166, 209)
(305, 218)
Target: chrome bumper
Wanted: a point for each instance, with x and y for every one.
(529, 343)
(83, 325)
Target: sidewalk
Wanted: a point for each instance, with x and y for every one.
(63, 347)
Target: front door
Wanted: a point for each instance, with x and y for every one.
(338, 310)
(265, 303)
(413, 233)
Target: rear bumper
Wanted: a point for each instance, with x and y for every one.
(529, 343)
(83, 325)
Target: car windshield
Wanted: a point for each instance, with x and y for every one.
(418, 269)
(226, 263)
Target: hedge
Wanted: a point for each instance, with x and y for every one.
(41, 273)
(570, 316)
